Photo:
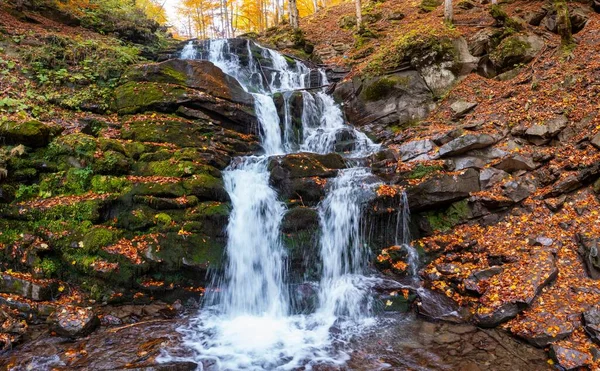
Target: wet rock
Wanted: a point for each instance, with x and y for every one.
(569, 359)
(442, 190)
(466, 143)
(435, 306)
(74, 321)
(461, 108)
(591, 323)
(299, 218)
(515, 163)
(414, 149)
(38, 290)
(110, 320)
(168, 366)
(530, 279)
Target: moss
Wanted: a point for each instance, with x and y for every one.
(98, 238)
(445, 220)
(171, 168)
(509, 51)
(429, 5)
(382, 87)
(134, 97)
(109, 184)
(30, 133)
(174, 131)
(421, 171)
(79, 145)
(162, 219)
(347, 22)
(111, 163)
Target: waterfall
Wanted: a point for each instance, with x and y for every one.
(403, 229)
(248, 324)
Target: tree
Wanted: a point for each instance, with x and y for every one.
(448, 11)
(294, 21)
(358, 14)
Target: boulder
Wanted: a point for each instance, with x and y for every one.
(30, 133)
(435, 306)
(460, 108)
(414, 149)
(570, 359)
(591, 323)
(466, 143)
(442, 190)
(191, 88)
(34, 289)
(588, 250)
(596, 141)
(579, 18)
(542, 134)
(490, 176)
(515, 162)
(74, 322)
(529, 279)
(535, 17)
(515, 50)
(481, 42)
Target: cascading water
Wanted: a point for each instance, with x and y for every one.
(403, 230)
(248, 323)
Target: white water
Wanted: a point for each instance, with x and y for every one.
(249, 325)
(403, 229)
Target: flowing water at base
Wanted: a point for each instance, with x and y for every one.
(248, 320)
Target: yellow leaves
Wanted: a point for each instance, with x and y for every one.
(61, 288)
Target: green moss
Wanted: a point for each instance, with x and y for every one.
(79, 145)
(445, 220)
(382, 87)
(48, 266)
(429, 5)
(98, 238)
(421, 171)
(110, 184)
(134, 97)
(111, 163)
(510, 49)
(162, 219)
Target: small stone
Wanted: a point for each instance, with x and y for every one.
(461, 108)
(543, 241)
(74, 321)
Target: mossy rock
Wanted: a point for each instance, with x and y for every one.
(206, 187)
(515, 50)
(347, 22)
(195, 251)
(135, 97)
(173, 168)
(180, 132)
(109, 184)
(158, 189)
(444, 220)
(98, 238)
(111, 163)
(299, 219)
(78, 145)
(29, 133)
(381, 88)
(430, 5)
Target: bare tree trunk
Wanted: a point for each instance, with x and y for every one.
(316, 5)
(448, 11)
(358, 14)
(294, 21)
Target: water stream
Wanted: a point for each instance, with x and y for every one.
(248, 322)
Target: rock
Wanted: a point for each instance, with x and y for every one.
(529, 279)
(535, 17)
(461, 108)
(591, 323)
(588, 249)
(555, 204)
(442, 190)
(299, 219)
(466, 143)
(74, 322)
(515, 163)
(168, 366)
(475, 159)
(596, 141)
(569, 184)
(396, 16)
(29, 133)
(490, 176)
(516, 191)
(515, 50)
(435, 306)
(543, 241)
(569, 359)
(579, 18)
(441, 139)
(197, 86)
(414, 149)
(542, 134)
(38, 290)
(481, 42)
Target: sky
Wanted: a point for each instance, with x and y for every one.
(170, 6)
